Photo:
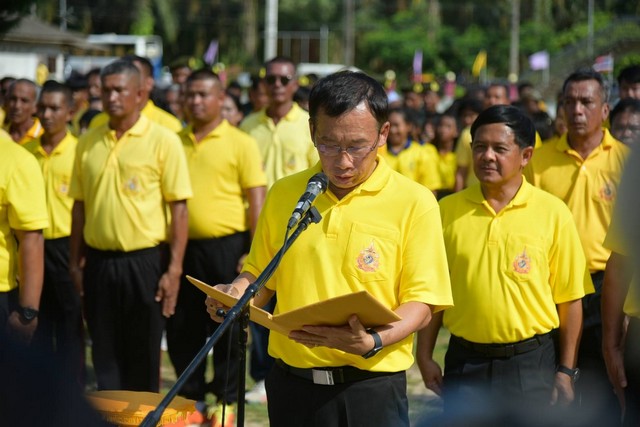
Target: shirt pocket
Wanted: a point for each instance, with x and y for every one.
(605, 187)
(525, 259)
(61, 183)
(372, 253)
(136, 180)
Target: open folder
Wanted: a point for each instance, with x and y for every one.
(332, 312)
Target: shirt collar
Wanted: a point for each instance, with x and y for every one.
(474, 194)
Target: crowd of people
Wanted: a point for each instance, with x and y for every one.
(480, 214)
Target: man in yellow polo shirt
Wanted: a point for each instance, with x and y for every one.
(147, 107)
(60, 326)
(23, 215)
(282, 128)
(22, 124)
(621, 298)
(406, 156)
(379, 232)
(513, 285)
(225, 168)
(583, 168)
(126, 172)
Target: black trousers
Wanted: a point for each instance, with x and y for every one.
(594, 392)
(213, 261)
(295, 402)
(124, 320)
(475, 383)
(60, 329)
(632, 370)
(8, 302)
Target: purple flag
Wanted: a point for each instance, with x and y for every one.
(417, 66)
(211, 53)
(539, 60)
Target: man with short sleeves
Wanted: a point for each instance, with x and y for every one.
(126, 172)
(23, 216)
(225, 168)
(379, 232)
(583, 168)
(513, 285)
(60, 326)
(22, 124)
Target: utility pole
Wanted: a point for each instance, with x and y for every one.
(590, 30)
(349, 33)
(514, 51)
(63, 15)
(271, 30)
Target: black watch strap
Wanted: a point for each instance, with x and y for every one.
(574, 374)
(27, 313)
(377, 344)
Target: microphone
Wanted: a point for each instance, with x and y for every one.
(317, 185)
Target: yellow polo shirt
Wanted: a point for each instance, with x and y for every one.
(384, 236)
(464, 156)
(150, 111)
(56, 168)
(34, 131)
(125, 183)
(222, 166)
(447, 165)
(510, 269)
(415, 161)
(588, 187)
(616, 241)
(286, 148)
(22, 205)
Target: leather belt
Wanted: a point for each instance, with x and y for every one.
(331, 376)
(504, 350)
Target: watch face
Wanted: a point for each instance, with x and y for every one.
(28, 313)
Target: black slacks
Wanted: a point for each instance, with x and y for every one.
(213, 261)
(124, 320)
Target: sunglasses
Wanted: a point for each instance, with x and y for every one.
(272, 78)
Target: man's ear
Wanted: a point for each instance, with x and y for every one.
(527, 153)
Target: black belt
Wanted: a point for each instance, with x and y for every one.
(331, 376)
(504, 350)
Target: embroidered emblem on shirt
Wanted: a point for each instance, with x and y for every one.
(63, 188)
(368, 260)
(291, 163)
(608, 192)
(522, 263)
(132, 185)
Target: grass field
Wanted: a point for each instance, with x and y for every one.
(421, 400)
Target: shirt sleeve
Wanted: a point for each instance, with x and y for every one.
(176, 184)
(26, 196)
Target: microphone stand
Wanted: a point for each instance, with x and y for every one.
(240, 309)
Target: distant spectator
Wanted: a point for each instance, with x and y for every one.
(625, 121)
(302, 97)
(629, 82)
(20, 104)
(232, 109)
(180, 70)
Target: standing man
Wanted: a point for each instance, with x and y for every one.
(282, 128)
(625, 121)
(380, 232)
(282, 132)
(22, 124)
(126, 172)
(513, 285)
(60, 324)
(225, 168)
(23, 216)
(583, 169)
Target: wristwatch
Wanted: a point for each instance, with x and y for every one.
(574, 374)
(27, 313)
(377, 344)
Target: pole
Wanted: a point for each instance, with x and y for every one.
(349, 33)
(271, 30)
(590, 30)
(515, 38)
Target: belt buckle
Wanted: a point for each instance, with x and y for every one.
(322, 376)
(509, 350)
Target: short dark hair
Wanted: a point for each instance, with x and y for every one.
(630, 74)
(584, 74)
(52, 86)
(145, 62)
(512, 117)
(343, 91)
(92, 72)
(202, 74)
(280, 60)
(630, 105)
(120, 66)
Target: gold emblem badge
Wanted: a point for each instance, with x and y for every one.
(368, 260)
(522, 263)
(608, 192)
(132, 185)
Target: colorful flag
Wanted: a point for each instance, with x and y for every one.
(211, 53)
(479, 63)
(417, 66)
(603, 64)
(539, 60)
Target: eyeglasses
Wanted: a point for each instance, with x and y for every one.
(271, 79)
(353, 152)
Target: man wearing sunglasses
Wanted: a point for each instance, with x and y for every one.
(282, 128)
